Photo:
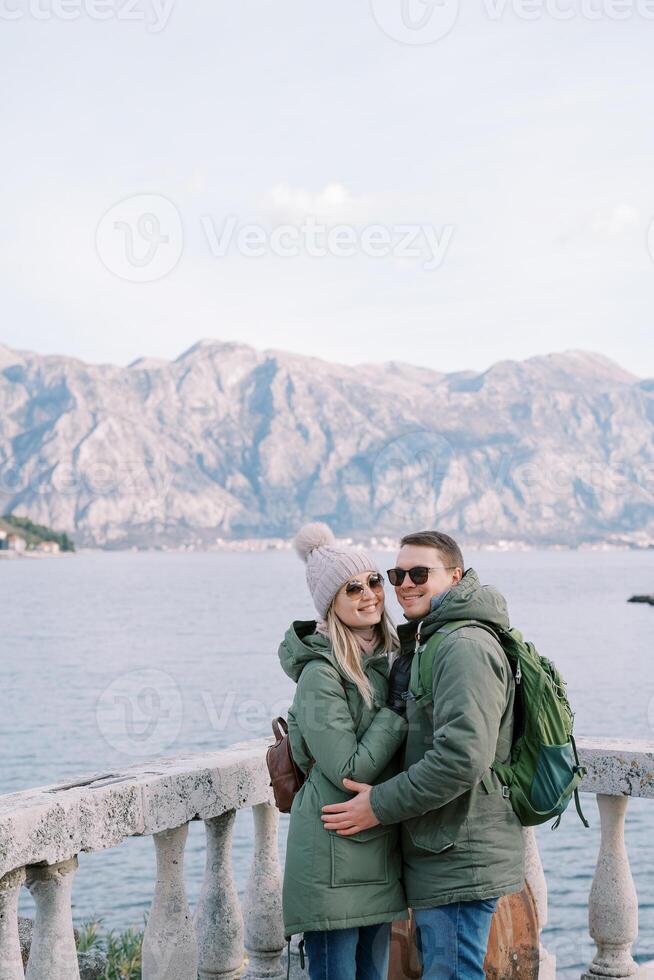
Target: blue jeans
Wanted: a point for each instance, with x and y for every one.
(349, 954)
(452, 939)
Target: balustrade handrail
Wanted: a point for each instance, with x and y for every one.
(617, 766)
(56, 822)
(42, 831)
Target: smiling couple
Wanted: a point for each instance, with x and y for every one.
(400, 807)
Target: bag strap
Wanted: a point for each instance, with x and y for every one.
(582, 770)
(421, 674)
(277, 724)
(422, 679)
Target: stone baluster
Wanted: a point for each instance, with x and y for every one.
(613, 904)
(11, 963)
(537, 882)
(53, 955)
(264, 929)
(218, 917)
(170, 950)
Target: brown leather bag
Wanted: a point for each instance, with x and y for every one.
(286, 778)
(404, 961)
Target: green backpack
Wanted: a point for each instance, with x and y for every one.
(544, 770)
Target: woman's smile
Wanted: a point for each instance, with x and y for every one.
(369, 606)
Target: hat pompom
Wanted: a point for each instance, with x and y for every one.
(312, 536)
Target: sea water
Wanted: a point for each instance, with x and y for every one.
(111, 658)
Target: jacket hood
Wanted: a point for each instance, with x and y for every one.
(302, 644)
(467, 600)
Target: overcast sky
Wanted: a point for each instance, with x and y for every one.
(494, 185)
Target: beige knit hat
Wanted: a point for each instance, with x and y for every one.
(328, 566)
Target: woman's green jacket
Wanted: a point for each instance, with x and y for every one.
(333, 882)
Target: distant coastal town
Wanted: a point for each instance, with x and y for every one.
(20, 537)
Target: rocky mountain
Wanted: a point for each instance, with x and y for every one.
(228, 441)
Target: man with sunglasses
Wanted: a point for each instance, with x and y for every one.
(461, 841)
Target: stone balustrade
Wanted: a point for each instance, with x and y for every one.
(43, 830)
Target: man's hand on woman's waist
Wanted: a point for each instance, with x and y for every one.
(354, 815)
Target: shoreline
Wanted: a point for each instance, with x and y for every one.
(383, 543)
(265, 545)
(13, 555)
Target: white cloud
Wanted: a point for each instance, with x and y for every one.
(614, 221)
(331, 205)
(600, 225)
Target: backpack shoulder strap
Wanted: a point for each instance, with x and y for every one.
(422, 667)
(422, 674)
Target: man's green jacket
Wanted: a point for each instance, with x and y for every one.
(461, 840)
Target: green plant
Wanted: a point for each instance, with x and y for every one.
(89, 936)
(122, 949)
(124, 955)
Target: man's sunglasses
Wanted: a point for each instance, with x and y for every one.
(355, 587)
(418, 574)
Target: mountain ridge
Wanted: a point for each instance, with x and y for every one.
(230, 441)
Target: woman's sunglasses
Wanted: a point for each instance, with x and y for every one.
(355, 587)
(418, 574)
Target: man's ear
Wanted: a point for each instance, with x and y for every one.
(457, 576)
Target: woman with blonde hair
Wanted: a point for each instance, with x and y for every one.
(341, 892)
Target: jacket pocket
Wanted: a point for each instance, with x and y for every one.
(439, 830)
(428, 838)
(362, 859)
